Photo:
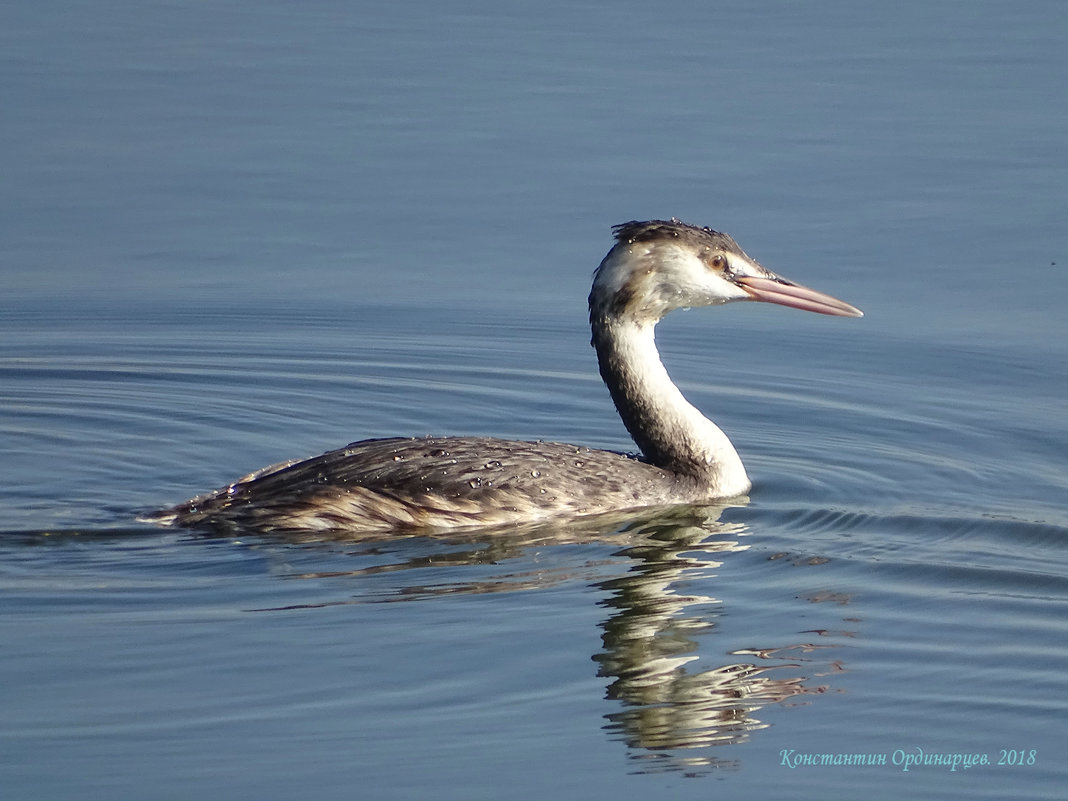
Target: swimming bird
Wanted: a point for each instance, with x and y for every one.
(412, 484)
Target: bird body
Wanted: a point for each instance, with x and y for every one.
(434, 483)
(445, 482)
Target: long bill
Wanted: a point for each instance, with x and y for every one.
(785, 293)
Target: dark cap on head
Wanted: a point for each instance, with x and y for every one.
(654, 230)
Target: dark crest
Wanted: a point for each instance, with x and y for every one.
(653, 230)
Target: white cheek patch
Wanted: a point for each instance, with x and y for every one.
(647, 281)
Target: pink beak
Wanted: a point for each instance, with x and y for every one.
(781, 291)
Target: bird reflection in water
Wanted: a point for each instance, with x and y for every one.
(672, 713)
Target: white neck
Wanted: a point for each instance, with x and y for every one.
(671, 433)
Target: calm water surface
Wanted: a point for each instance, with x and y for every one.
(245, 233)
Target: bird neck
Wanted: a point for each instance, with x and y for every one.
(671, 433)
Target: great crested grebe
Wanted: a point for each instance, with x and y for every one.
(410, 484)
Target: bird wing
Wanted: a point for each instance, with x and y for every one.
(424, 482)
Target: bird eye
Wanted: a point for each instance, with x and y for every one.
(718, 262)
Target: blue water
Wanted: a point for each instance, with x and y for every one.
(240, 233)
